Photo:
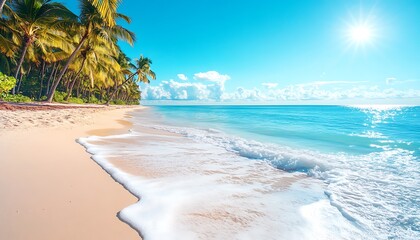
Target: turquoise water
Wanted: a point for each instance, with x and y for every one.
(367, 156)
(354, 130)
(268, 172)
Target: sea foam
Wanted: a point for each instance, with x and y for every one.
(201, 183)
(197, 190)
(356, 184)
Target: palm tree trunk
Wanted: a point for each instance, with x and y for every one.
(50, 78)
(21, 77)
(67, 81)
(22, 57)
(74, 81)
(40, 88)
(78, 88)
(2, 2)
(66, 66)
(118, 88)
(18, 85)
(57, 70)
(90, 94)
(69, 93)
(41, 75)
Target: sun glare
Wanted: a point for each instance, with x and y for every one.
(361, 34)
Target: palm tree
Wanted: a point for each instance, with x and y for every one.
(143, 72)
(93, 25)
(40, 43)
(9, 37)
(2, 2)
(96, 58)
(39, 23)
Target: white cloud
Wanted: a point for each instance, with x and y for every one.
(245, 94)
(182, 77)
(172, 90)
(215, 91)
(307, 92)
(211, 76)
(270, 85)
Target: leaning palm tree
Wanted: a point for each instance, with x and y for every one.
(92, 24)
(143, 72)
(39, 23)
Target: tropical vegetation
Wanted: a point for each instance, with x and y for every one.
(6, 83)
(55, 55)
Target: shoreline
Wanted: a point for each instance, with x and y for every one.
(173, 184)
(46, 197)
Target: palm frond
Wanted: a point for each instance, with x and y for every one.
(123, 34)
(107, 9)
(7, 46)
(122, 17)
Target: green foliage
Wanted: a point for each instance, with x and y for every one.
(30, 86)
(59, 97)
(15, 98)
(6, 83)
(133, 102)
(118, 102)
(94, 100)
(4, 64)
(76, 100)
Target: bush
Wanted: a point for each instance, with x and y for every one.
(93, 100)
(59, 96)
(76, 100)
(15, 98)
(118, 102)
(6, 83)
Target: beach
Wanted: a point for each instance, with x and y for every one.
(51, 189)
(199, 120)
(221, 176)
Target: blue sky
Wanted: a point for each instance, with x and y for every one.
(278, 51)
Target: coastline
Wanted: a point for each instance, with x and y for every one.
(51, 189)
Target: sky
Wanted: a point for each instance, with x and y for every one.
(277, 51)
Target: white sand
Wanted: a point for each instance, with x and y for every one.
(49, 186)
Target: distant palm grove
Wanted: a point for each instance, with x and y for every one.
(48, 53)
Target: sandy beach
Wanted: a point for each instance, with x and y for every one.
(50, 188)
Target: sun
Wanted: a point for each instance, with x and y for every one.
(361, 33)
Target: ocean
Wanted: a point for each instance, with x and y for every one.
(269, 172)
